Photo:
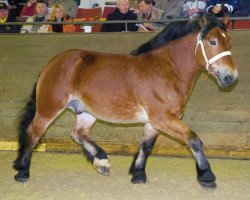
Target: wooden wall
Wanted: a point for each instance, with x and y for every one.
(220, 117)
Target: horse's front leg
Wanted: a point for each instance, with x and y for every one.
(177, 129)
(137, 168)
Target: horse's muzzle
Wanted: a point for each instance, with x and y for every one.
(226, 78)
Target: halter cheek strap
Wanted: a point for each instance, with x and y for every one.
(213, 59)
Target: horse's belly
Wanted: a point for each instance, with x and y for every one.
(120, 115)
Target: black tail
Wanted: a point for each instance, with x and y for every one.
(25, 118)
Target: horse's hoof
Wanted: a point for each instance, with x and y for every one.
(208, 185)
(138, 176)
(206, 179)
(139, 180)
(103, 170)
(102, 166)
(21, 177)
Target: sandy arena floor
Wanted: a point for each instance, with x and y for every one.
(57, 176)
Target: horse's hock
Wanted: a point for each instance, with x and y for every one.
(220, 118)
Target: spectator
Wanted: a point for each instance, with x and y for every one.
(29, 9)
(13, 6)
(122, 12)
(5, 17)
(41, 16)
(172, 8)
(58, 14)
(243, 10)
(193, 8)
(70, 6)
(148, 12)
(222, 7)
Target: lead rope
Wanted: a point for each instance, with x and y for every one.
(213, 59)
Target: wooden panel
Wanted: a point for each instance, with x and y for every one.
(220, 117)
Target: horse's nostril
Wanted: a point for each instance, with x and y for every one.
(228, 78)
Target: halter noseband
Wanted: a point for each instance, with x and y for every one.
(213, 59)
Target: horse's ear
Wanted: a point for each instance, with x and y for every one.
(225, 19)
(203, 21)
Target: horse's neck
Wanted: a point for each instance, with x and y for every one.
(180, 57)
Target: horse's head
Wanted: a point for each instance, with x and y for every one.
(213, 51)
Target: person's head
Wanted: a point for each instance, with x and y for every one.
(41, 7)
(4, 11)
(144, 5)
(123, 6)
(58, 12)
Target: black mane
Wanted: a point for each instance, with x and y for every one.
(179, 29)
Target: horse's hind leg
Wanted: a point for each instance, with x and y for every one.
(137, 168)
(81, 133)
(27, 141)
(36, 117)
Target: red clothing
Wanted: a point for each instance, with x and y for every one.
(28, 11)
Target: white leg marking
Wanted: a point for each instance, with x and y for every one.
(149, 132)
(85, 120)
(101, 162)
(90, 148)
(142, 115)
(139, 158)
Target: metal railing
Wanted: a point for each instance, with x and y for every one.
(126, 22)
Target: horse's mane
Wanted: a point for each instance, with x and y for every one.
(179, 29)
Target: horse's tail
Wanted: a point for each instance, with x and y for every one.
(26, 117)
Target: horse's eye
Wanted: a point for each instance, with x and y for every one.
(212, 42)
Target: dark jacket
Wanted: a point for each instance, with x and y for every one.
(228, 6)
(243, 10)
(116, 15)
(9, 28)
(58, 28)
(14, 12)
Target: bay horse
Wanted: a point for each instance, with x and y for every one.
(150, 86)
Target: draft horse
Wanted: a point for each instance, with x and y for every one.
(150, 86)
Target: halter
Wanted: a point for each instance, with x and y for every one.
(213, 59)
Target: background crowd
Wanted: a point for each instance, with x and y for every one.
(65, 10)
